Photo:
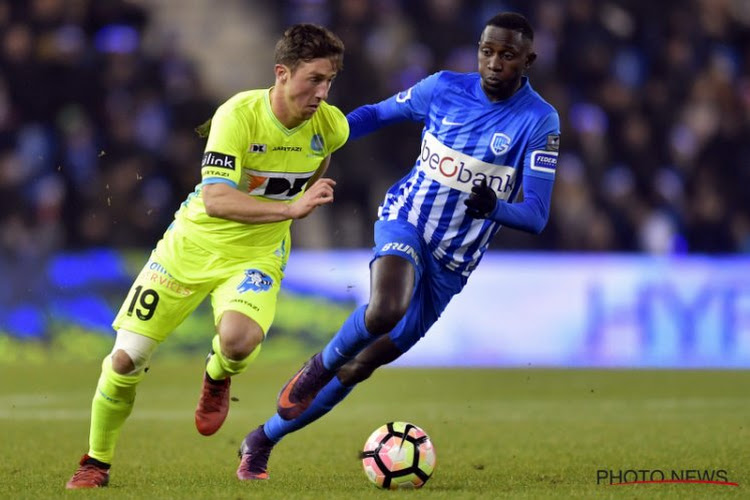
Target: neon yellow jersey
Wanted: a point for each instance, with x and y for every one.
(251, 150)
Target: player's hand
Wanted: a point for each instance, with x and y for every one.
(320, 193)
(481, 201)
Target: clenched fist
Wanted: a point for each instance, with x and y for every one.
(481, 201)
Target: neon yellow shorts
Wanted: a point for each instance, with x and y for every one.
(180, 274)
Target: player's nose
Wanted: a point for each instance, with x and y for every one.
(495, 64)
(322, 91)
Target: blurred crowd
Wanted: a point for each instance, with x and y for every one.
(654, 100)
(96, 133)
(97, 144)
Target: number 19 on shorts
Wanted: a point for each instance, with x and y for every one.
(143, 303)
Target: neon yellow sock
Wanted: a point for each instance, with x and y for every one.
(220, 367)
(112, 404)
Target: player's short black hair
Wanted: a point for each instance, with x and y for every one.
(513, 21)
(305, 42)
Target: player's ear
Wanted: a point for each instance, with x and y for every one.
(529, 60)
(281, 72)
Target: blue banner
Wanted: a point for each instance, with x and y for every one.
(516, 310)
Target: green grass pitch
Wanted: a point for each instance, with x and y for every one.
(522, 433)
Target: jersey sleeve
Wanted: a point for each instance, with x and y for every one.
(540, 163)
(339, 131)
(540, 158)
(224, 150)
(411, 104)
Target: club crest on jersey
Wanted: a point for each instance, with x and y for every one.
(255, 281)
(500, 143)
(316, 143)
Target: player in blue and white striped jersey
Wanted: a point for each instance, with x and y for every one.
(486, 136)
(468, 138)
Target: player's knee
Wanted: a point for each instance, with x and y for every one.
(383, 315)
(131, 353)
(240, 343)
(355, 371)
(122, 363)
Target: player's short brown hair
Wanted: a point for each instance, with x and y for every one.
(305, 42)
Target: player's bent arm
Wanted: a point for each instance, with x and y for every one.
(322, 169)
(530, 215)
(226, 202)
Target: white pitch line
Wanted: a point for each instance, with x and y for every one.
(85, 414)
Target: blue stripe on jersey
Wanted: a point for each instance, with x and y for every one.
(429, 202)
(467, 226)
(218, 180)
(476, 250)
(469, 136)
(446, 218)
(395, 192)
(449, 213)
(411, 193)
(461, 224)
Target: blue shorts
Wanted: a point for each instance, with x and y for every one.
(434, 285)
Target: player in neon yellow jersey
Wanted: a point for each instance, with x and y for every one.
(266, 153)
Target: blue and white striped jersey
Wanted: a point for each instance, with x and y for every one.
(466, 138)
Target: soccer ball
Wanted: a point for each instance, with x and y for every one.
(398, 455)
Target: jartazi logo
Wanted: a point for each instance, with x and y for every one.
(287, 149)
(620, 477)
(213, 159)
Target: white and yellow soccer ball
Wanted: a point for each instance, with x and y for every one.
(398, 455)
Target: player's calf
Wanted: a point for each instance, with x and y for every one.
(295, 397)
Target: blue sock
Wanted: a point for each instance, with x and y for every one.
(349, 341)
(328, 397)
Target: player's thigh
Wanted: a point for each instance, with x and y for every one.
(157, 302)
(433, 294)
(252, 290)
(400, 239)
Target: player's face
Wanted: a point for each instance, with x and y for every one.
(307, 86)
(503, 56)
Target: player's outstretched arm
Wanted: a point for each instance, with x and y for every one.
(226, 202)
(411, 104)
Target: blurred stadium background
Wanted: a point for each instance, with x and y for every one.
(644, 262)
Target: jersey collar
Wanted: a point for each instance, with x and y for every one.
(522, 90)
(279, 125)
